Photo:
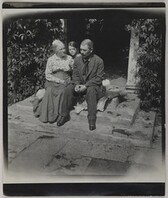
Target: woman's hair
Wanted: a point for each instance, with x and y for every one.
(73, 44)
(56, 42)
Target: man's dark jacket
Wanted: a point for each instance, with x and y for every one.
(95, 73)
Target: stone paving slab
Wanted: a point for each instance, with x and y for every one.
(26, 102)
(50, 129)
(147, 157)
(72, 159)
(95, 136)
(36, 157)
(148, 161)
(93, 149)
(142, 129)
(18, 141)
(76, 156)
(64, 164)
(82, 124)
(146, 173)
(107, 167)
(102, 134)
(79, 129)
(110, 152)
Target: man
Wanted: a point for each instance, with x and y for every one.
(88, 73)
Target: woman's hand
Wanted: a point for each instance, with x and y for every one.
(65, 82)
(71, 63)
(62, 82)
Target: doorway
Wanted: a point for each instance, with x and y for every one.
(111, 41)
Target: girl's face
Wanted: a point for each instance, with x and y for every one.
(72, 50)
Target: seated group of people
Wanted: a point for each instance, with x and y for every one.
(67, 77)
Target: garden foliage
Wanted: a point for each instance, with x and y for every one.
(28, 47)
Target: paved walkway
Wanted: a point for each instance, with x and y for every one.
(36, 149)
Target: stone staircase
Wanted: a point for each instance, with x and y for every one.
(122, 120)
(123, 117)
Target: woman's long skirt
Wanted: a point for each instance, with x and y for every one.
(48, 108)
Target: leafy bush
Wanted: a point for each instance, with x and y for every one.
(149, 60)
(28, 47)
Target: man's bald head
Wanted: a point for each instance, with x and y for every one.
(86, 48)
(88, 42)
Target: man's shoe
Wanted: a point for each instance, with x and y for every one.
(92, 125)
(63, 120)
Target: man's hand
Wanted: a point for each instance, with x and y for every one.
(80, 88)
(77, 88)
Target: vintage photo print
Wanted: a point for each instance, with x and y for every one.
(83, 98)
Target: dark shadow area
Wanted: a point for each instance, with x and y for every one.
(111, 41)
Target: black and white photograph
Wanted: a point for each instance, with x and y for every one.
(84, 97)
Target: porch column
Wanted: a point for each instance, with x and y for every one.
(64, 27)
(132, 78)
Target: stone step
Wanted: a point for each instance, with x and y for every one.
(140, 133)
(127, 110)
(123, 113)
(142, 129)
(117, 121)
(116, 112)
(27, 103)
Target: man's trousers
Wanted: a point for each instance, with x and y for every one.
(93, 94)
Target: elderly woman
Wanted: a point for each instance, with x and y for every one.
(57, 75)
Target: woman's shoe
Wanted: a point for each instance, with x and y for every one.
(63, 120)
